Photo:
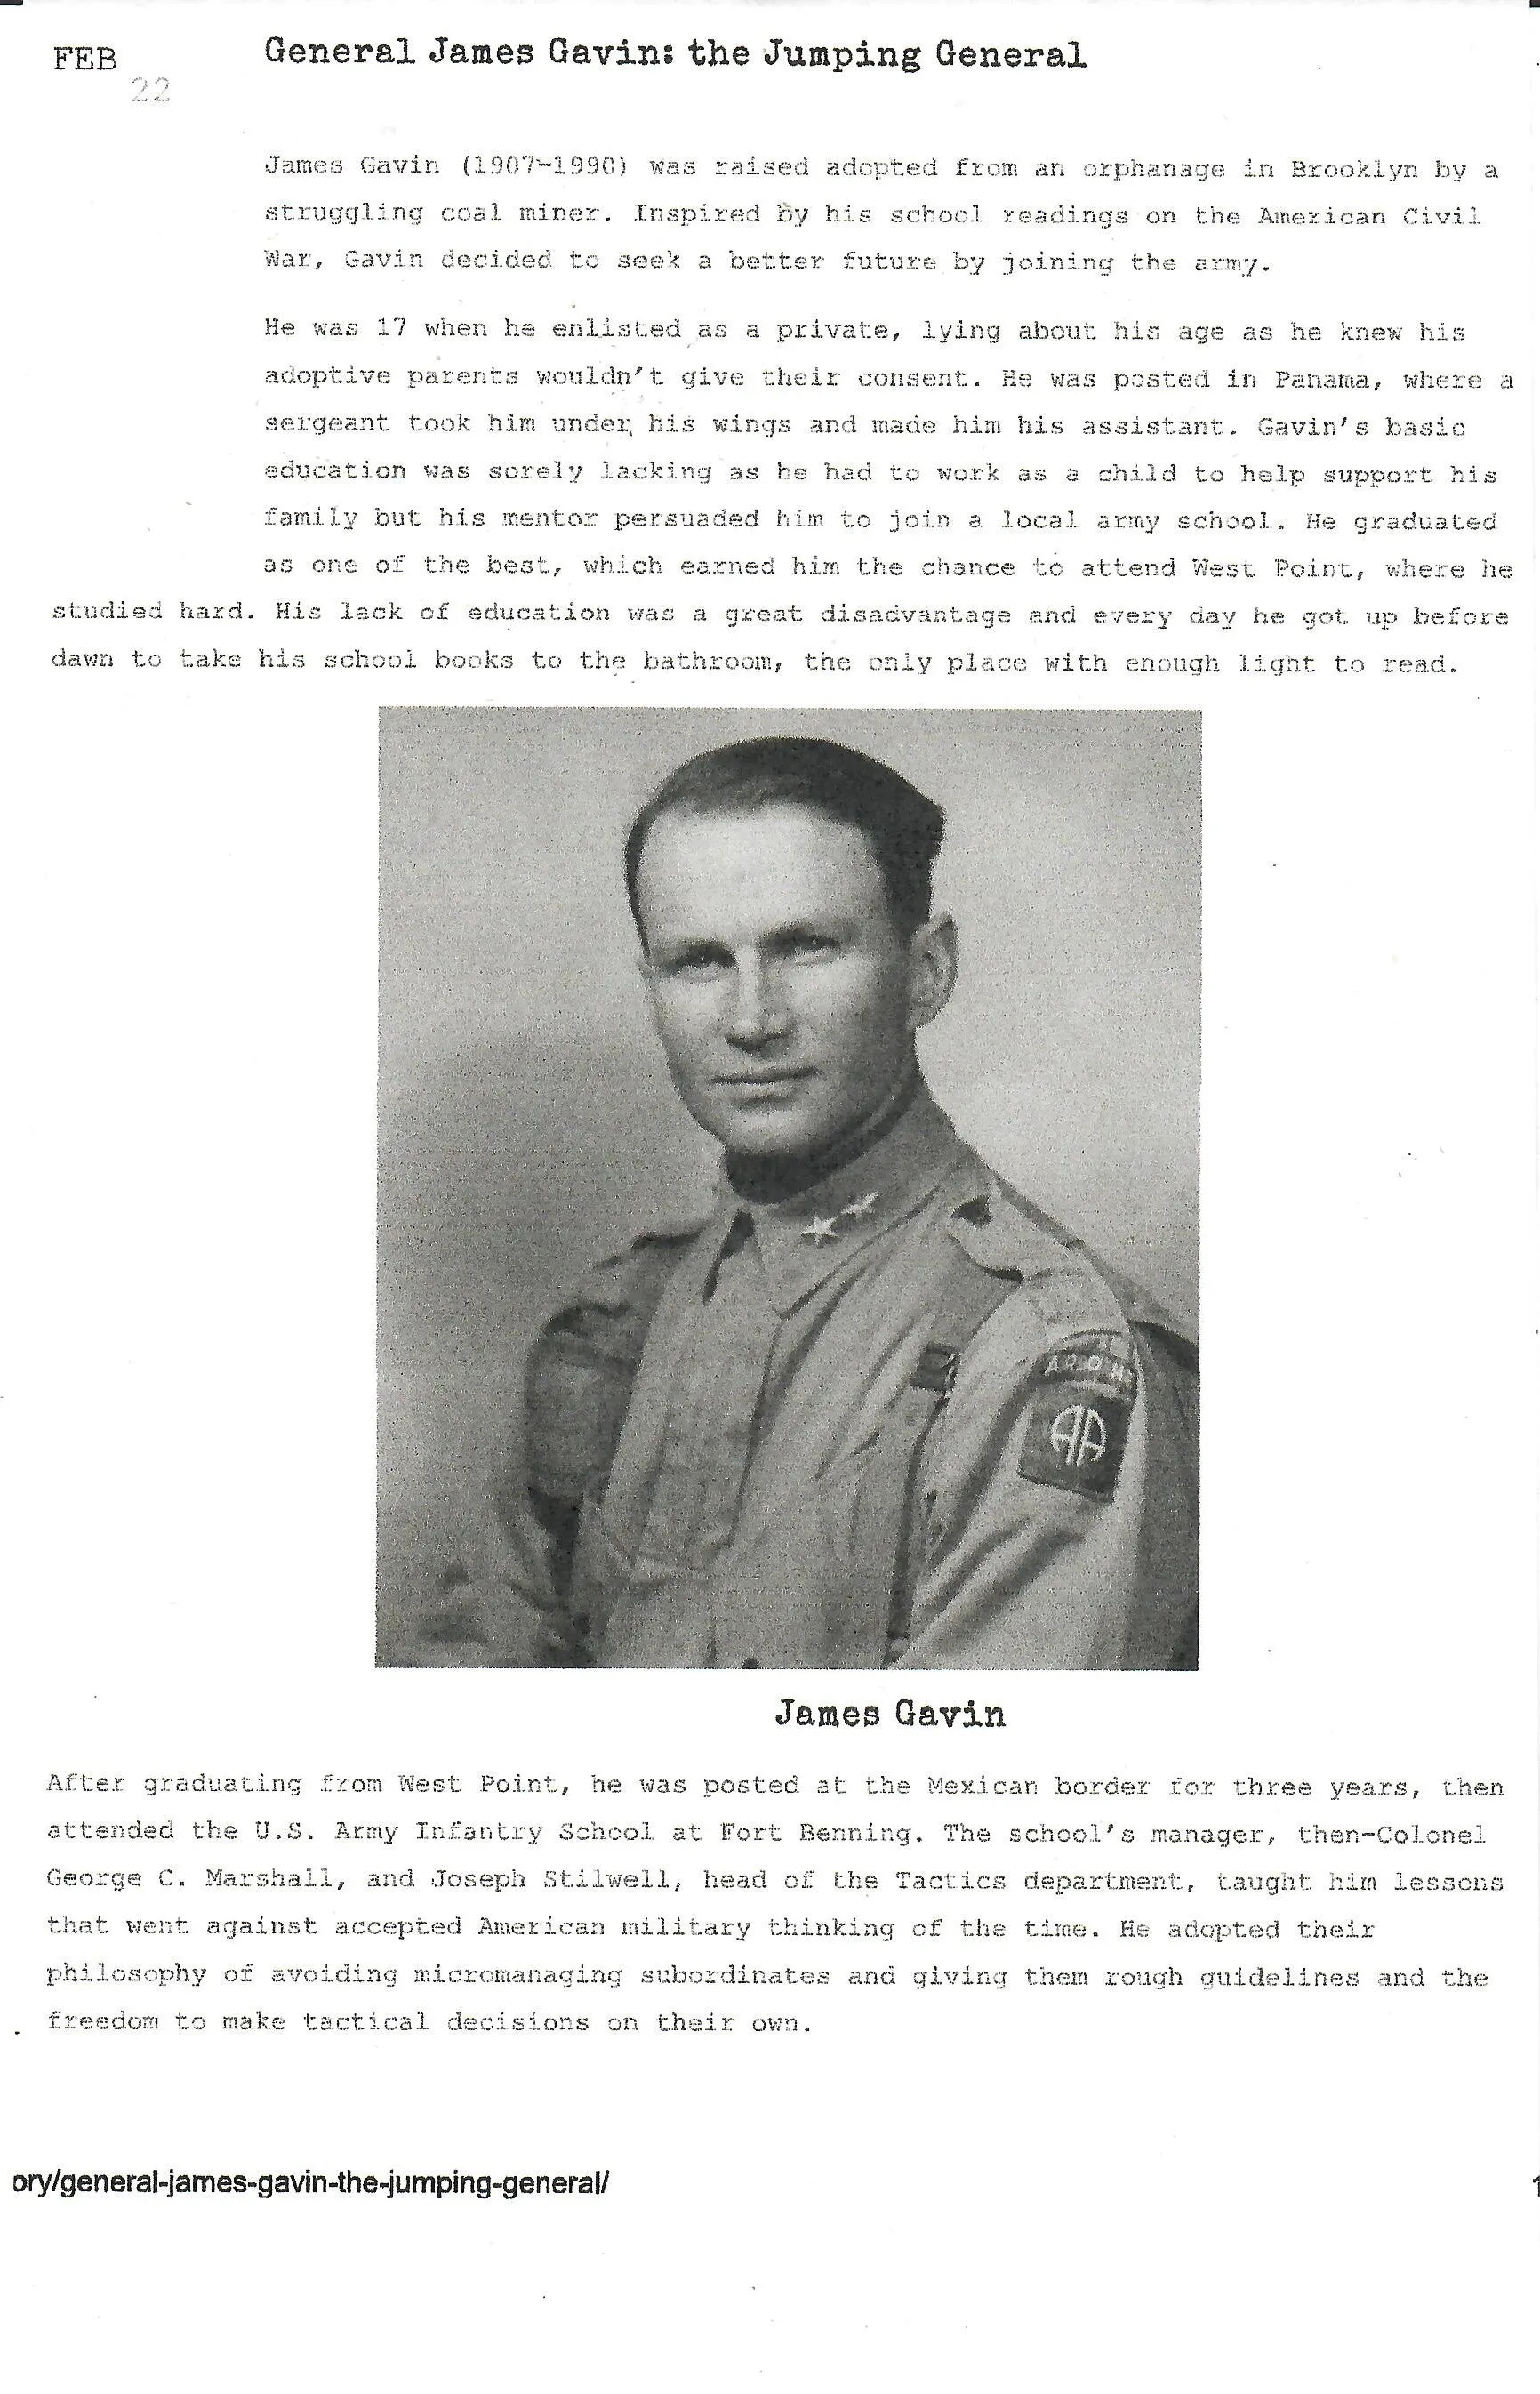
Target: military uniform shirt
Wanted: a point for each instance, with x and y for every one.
(747, 1519)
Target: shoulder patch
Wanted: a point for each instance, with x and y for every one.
(1079, 1402)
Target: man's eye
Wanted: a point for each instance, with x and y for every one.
(811, 944)
(697, 964)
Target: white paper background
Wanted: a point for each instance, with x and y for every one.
(1256, 2191)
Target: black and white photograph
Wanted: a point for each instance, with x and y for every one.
(788, 1190)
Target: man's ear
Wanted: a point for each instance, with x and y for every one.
(932, 969)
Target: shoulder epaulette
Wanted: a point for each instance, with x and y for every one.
(1067, 1286)
(1065, 1275)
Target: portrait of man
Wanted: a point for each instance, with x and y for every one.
(871, 1406)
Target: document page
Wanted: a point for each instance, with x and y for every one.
(760, 750)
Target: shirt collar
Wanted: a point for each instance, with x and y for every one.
(801, 1241)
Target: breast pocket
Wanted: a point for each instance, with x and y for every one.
(812, 1587)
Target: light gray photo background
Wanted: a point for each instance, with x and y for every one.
(527, 1123)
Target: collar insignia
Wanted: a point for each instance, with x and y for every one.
(863, 1209)
(823, 1229)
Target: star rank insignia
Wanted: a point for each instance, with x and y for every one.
(863, 1209)
(823, 1229)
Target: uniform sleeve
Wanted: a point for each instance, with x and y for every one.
(576, 1385)
(506, 1601)
(486, 1596)
(494, 1593)
(1043, 1488)
(523, 1576)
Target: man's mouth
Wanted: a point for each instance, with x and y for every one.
(785, 1078)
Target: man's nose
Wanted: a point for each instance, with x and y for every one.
(757, 1009)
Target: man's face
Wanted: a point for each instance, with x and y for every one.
(784, 994)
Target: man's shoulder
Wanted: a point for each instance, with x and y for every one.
(623, 1288)
(1056, 1284)
(1063, 1329)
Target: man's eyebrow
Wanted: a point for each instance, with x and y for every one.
(829, 927)
(836, 925)
(688, 945)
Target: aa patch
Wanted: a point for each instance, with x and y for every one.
(1080, 1400)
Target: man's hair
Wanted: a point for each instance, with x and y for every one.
(902, 827)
